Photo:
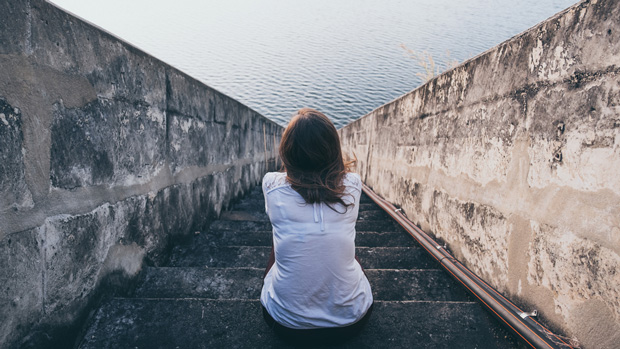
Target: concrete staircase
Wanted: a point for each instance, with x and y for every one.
(207, 296)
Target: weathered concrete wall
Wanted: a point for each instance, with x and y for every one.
(513, 158)
(105, 155)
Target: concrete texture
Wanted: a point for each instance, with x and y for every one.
(209, 323)
(242, 283)
(15, 192)
(107, 155)
(512, 158)
(207, 297)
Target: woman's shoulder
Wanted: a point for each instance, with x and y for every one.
(273, 180)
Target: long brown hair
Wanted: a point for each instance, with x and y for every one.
(312, 157)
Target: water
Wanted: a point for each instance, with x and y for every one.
(342, 57)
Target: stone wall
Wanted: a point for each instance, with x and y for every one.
(513, 159)
(106, 154)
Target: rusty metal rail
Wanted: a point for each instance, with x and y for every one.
(520, 322)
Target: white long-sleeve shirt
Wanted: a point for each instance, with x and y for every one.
(316, 281)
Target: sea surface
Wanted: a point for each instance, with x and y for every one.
(342, 57)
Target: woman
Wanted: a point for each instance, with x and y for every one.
(314, 288)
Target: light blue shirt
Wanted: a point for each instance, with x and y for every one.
(316, 281)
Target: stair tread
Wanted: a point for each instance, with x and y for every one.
(410, 257)
(246, 283)
(201, 323)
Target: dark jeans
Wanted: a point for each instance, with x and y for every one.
(332, 335)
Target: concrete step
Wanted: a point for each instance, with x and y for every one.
(202, 323)
(256, 257)
(372, 215)
(255, 216)
(369, 206)
(377, 225)
(263, 238)
(227, 238)
(221, 257)
(222, 225)
(246, 283)
(245, 225)
(364, 199)
(383, 239)
(247, 205)
(395, 258)
(417, 284)
(191, 282)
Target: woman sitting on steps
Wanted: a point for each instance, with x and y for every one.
(314, 288)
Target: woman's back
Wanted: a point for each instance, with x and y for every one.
(316, 281)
